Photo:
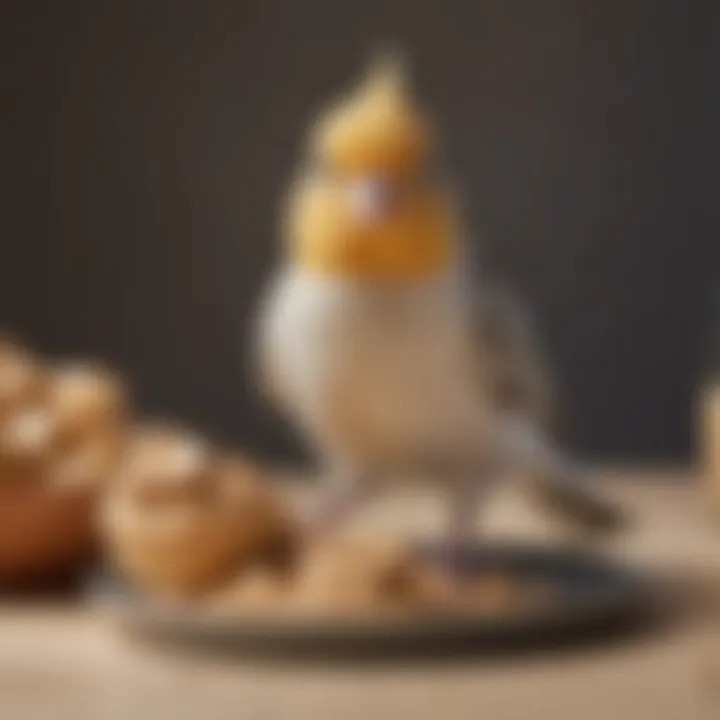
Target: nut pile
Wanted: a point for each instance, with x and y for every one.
(62, 430)
(180, 517)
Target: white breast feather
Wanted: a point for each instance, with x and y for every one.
(391, 369)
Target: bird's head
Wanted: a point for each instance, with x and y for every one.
(368, 203)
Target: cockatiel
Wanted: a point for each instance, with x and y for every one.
(377, 344)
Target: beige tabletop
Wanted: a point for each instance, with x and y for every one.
(60, 662)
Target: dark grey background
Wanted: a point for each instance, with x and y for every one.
(144, 147)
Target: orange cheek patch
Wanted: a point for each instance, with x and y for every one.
(378, 255)
(415, 240)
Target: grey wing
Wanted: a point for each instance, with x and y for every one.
(512, 362)
(517, 372)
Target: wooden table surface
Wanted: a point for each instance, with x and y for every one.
(59, 662)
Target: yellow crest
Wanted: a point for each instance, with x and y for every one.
(371, 207)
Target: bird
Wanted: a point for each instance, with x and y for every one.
(378, 342)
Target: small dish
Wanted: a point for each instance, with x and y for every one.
(585, 593)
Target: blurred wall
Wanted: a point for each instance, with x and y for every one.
(145, 146)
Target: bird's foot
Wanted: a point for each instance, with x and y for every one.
(332, 512)
(324, 523)
(456, 558)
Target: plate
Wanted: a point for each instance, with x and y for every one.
(588, 596)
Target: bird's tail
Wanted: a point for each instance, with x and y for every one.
(561, 487)
(568, 496)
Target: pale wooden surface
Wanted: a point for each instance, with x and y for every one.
(63, 662)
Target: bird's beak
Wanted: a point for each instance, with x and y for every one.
(370, 198)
